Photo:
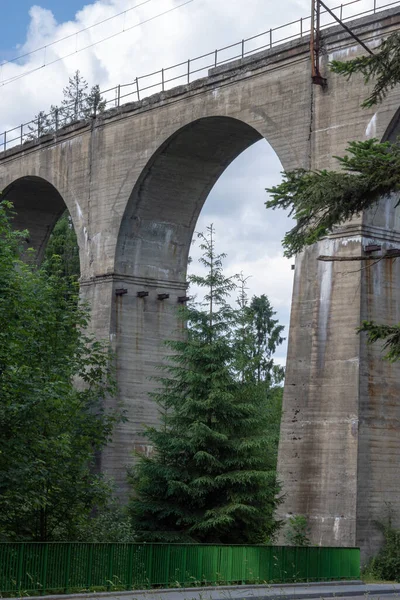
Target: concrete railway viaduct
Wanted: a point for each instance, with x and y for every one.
(134, 181)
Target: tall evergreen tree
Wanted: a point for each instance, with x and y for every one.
(75, 95)
(256, 337)
(211, 476)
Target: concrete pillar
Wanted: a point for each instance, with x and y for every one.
(137, 327)
(339, 450)
(319, 433)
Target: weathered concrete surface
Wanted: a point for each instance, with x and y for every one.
(135, 180)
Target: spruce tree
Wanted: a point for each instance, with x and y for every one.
(211, 475)
(75, 95)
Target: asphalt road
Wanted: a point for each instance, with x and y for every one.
(355, 590)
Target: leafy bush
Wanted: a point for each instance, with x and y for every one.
(386, 564)
(297, 531)
(110, 524)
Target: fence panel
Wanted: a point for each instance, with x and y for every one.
(43, 568)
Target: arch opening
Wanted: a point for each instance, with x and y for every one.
(152, 251)
(38, 207)
(164, 206)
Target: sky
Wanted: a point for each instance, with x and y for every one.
(248, 233)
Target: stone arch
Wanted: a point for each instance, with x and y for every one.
(38, 206)
(151, 257)
(163, 208)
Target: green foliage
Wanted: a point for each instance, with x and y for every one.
(63, 244)
(383, 66)
(386, 565)
(267, 335)
(322, 199)
(298, 531)
(211, 476)
(319, 200)
(54, 378)
(388, 334)
(110, 523)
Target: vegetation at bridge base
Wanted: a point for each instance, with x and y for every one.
(298, 531)
(63, 243)
(212, 475)
(51, 428)
(320, 200)
(385, 566)
(222, 387)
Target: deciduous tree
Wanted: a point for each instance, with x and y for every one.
(54, 378)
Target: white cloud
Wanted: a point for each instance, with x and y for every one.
(250, 236)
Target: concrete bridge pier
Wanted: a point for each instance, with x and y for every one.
(339, 452)
(138, 325)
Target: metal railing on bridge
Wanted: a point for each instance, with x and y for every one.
(44, 568)
(187, 71)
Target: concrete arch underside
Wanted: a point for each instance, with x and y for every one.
(162, 211)
(37, 206)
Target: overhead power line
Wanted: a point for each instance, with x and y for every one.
(77, 50)
(71, 35)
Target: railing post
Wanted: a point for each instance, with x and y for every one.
(56, 119)
(216, 58)
(22, 132)
(301, 27)
(137, 88)
(242, 48)
(119, 94)
(270, 38)
(162, 79)
(20, 565)
(67, 567)
(129, 574)
(188, 71)
(43, 575)
(374, 6)
(150, 572)
(5, 140)
(110, 566)
(89, 567)
(168, 561)
(341, 12)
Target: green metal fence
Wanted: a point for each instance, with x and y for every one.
(44, 568)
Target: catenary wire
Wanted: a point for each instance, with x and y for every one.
(26, 73)
(71, 35)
